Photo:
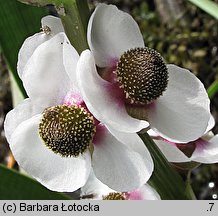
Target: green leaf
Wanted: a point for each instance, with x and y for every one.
(208, 6)
(17, 22)
(213, 89)
(165, 179)
(14, 185)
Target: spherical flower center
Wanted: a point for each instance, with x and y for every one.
(115, 196)
(67, 130)
(142, 74)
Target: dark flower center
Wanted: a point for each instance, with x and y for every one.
(115, 196)
(67, 130)
(142, 74)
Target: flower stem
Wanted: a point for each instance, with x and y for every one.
(74, 15)
(189, 189)
(165, 179)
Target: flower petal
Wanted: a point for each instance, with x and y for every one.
(100, 100)
(116, 165)
(149, 193)
(211, 124)
(146, 192)
(31, 43)
(53, 171)
(94, 187)
(27, 49)
(111, 32)
(20, 113)
(70, 59)
(207, 151)
(135, 143)
(171, 152)
(181, 115)
(44, 77)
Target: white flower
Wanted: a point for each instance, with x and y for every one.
(95, 189)
(52, 134)
(180, 113)
(202, 150)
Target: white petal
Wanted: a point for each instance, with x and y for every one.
(100, 100)
(31, 43)
(171, 152)
(116, 165)
(146, 192)
(45, 78)
(149, 193)
(181, 115)
(211, 124)
(70, 59)
(135, 143)
(53, 171)
(27, 49)
(111, 32)
(54, 23)
(94, 187)
(20, 113)
(206, 152)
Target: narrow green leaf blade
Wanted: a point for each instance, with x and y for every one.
(213, 89)
(17, 22)
(14, 185)
(208, 6)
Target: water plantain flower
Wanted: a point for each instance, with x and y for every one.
(52, 134)
(131, 78)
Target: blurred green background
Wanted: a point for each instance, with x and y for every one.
(184, 34)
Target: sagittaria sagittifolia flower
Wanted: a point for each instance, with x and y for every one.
(131, 76)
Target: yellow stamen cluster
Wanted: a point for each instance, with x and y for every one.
(67, 130)
(115, 196)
